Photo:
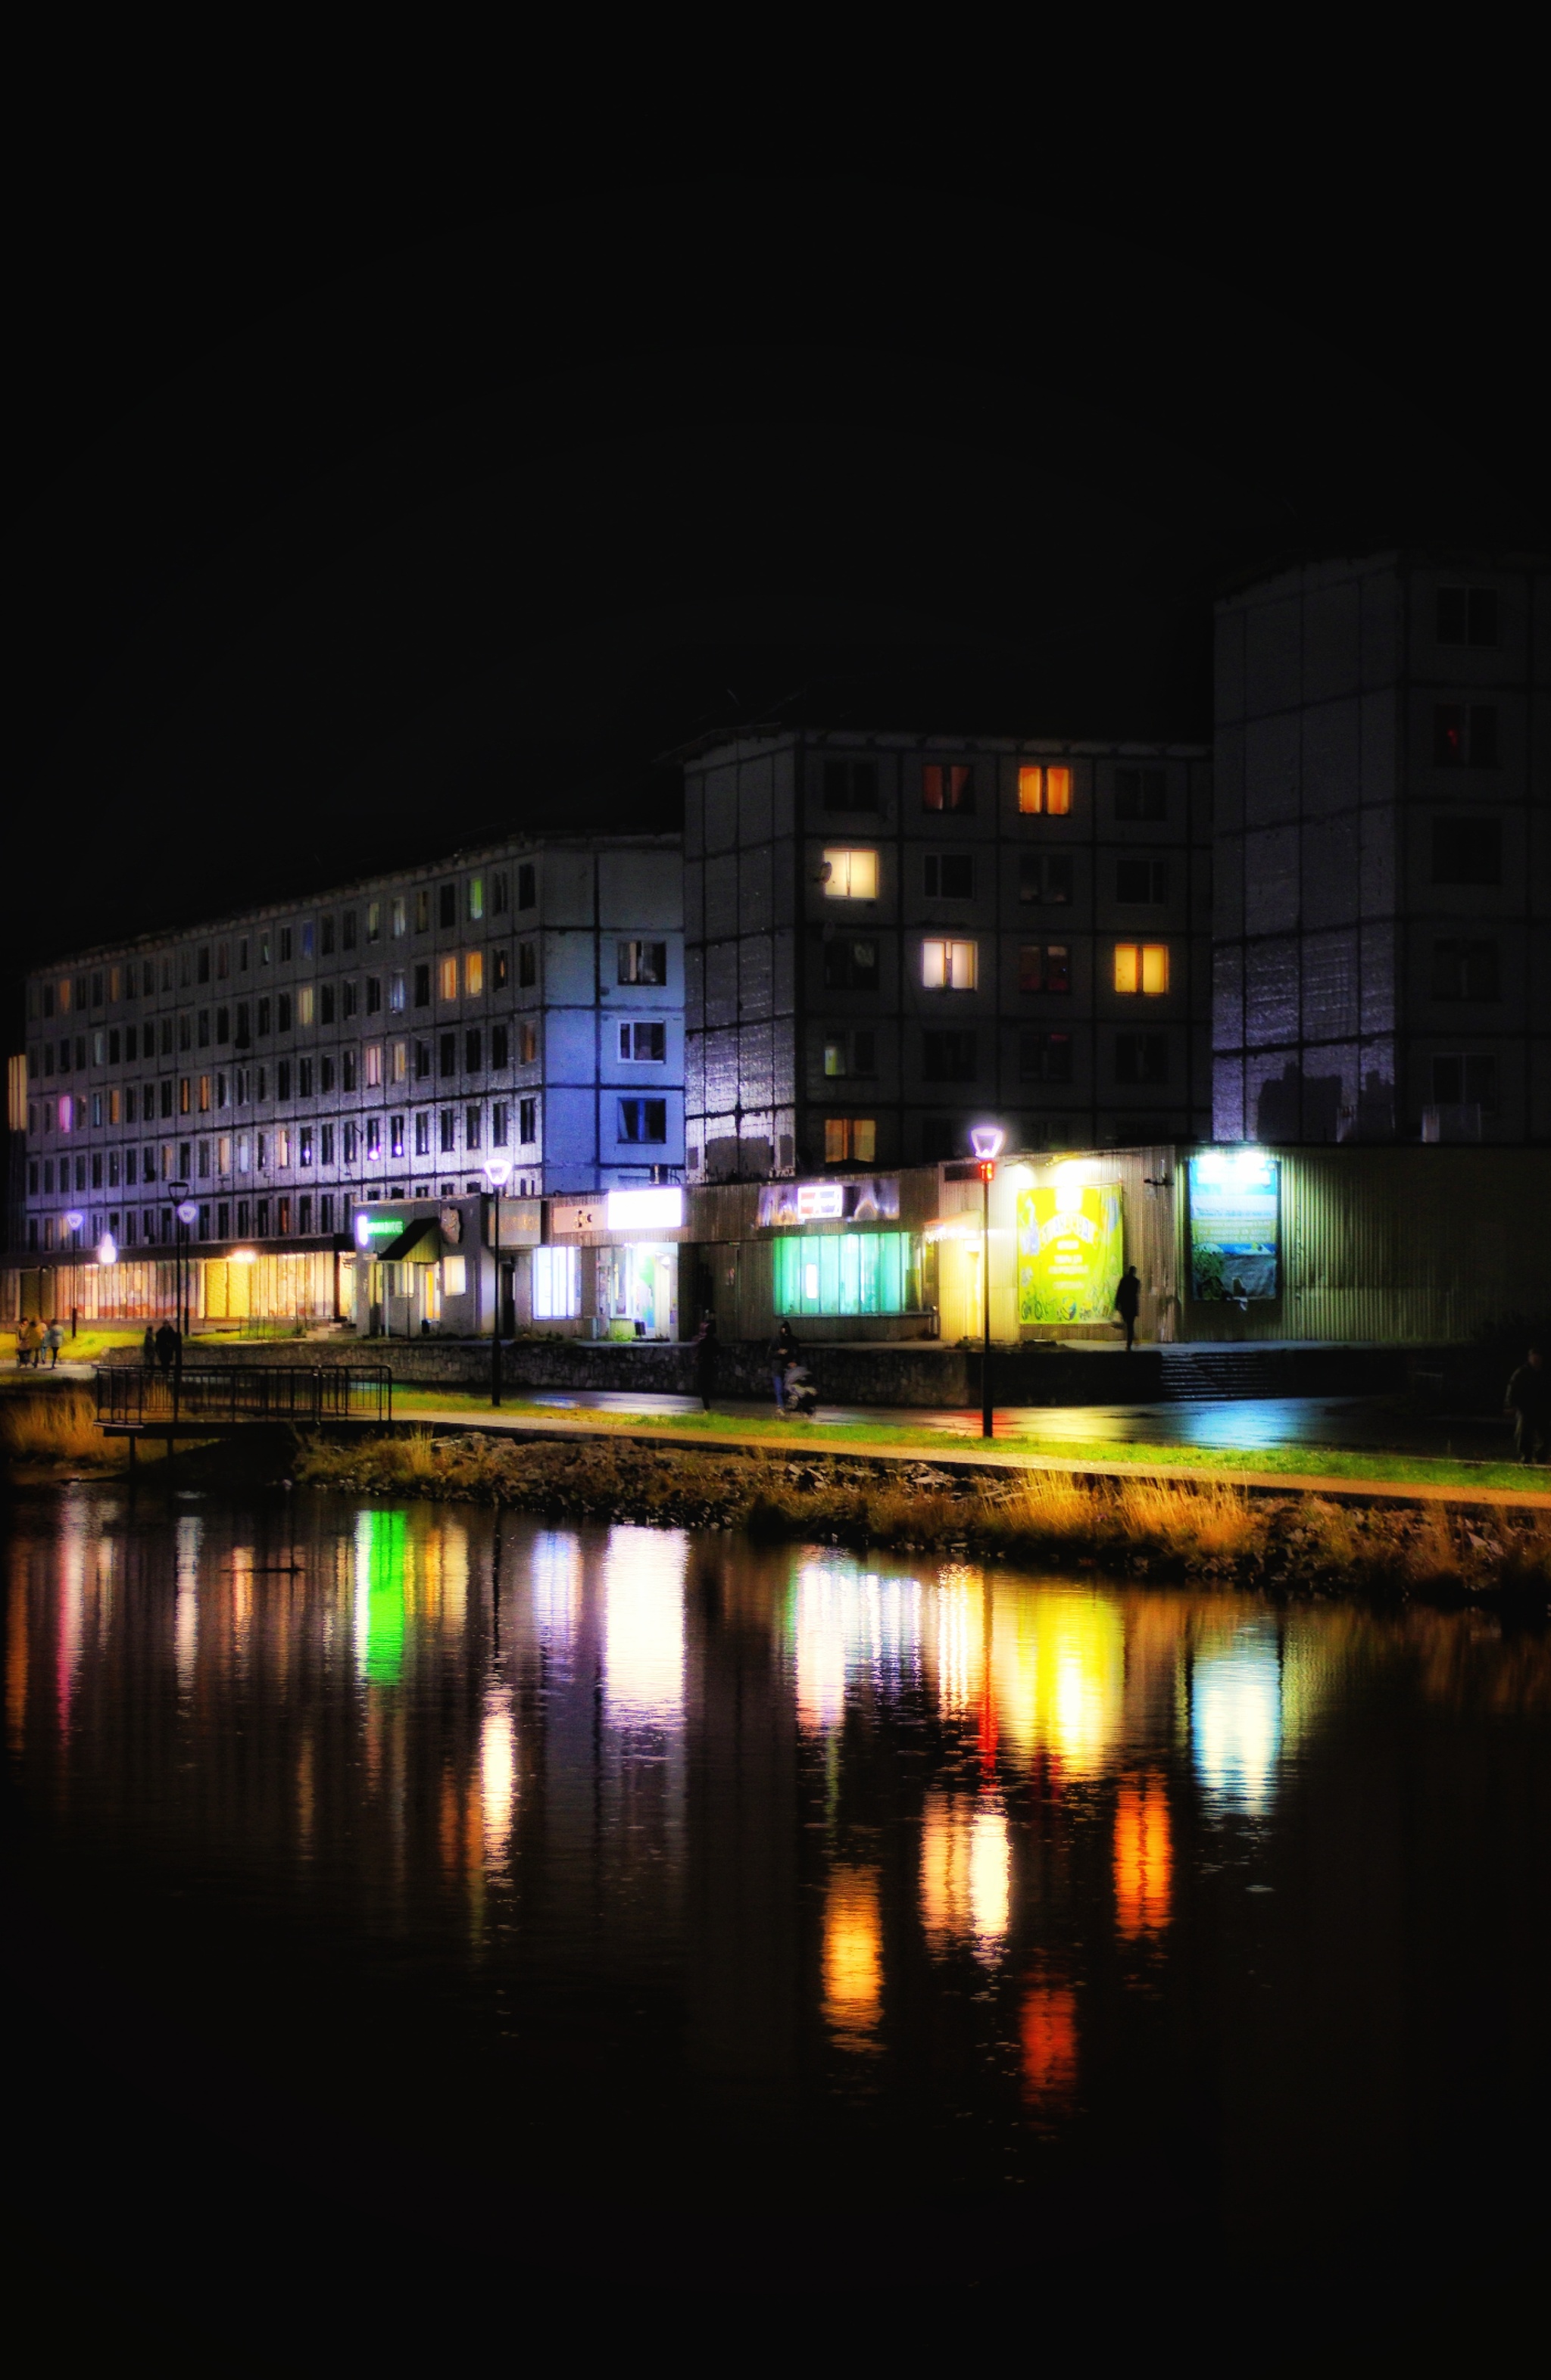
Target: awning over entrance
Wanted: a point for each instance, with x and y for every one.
(416, 1243)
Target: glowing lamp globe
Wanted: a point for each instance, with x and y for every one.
(74, 1219)
(497, 1171)
(188, 1212)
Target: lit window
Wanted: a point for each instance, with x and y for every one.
(447, 974)
(401, 1061)
(473, 970)
(638, 963)
(851, 875)
(1045, 791)
(398, 996)
(455, 1276)
(950, 967)
(557, 1284)
(1141, 967)
(850, 1140)
(306, 1002)
(373, 1054)
(475, 897)
(400, 917)
(847, 1272)
(643, 1044)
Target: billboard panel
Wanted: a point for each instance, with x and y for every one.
(1233, 1226)
(1069, 1252)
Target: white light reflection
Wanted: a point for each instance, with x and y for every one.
(186, 1610)
(966, 1868)
(848, 1621)
(555, 1569)
(1236, 1720)
(643, 1626)
(498, 1777)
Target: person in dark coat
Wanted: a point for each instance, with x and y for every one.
(147, 1348)
(783, 1353)
(1128, 1300)
(166, 1346)
(704, 1360)
(1528, 1399)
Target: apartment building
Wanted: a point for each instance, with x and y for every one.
(889, 938)
(1383, 858)
(275, 1067)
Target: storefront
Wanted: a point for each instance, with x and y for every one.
(428, 1268)
(847, 1257)
(610, 1265)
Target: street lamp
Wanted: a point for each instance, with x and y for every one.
(73, 1223)
(498, 1173)
(186, 1211)
(986, 1140)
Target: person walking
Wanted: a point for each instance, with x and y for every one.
(784, 1353)
(148, 1349)
(1528, 1399)
(54, 1339)
(704, 1360)
(1128, 1300)
(166, 1346)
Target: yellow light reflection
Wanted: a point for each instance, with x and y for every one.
(1057, 1670)
(498, 1777)
(643, 1626)
(186, 1607)
(1144, 1858)
(1236, 1718)
(852, 1957)
(966, 1875)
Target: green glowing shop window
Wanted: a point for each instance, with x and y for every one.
(847, 1272)
(381, 1545)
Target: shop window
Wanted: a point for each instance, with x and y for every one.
(947, 785)
(850, 1140)
(1140, 793)
(948, 1057)
(851, 784)
(848, 876)
(1142, 882)
(643, 962)
(847, 1272)
(557, 1284)
(949, 876)
(1141, 1057)
(1044, 966)
(1142, 967)
(643, 1045)
(1465, 971)
(643, 1120)
(949, 966)
(1044, 790)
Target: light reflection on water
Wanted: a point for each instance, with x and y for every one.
(814, 1819)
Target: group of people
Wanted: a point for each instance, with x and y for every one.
(34, 1341)
(795, 1391)
(162, 1347)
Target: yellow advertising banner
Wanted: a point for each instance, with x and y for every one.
(1070, 1252)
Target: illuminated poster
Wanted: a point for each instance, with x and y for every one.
(1233, 1226)
(1069, 1252)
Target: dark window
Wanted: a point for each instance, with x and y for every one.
(1467, 616)
(850, 1051)
(264, 1015)
(373, 994)
(326, 1003)
(202, 970)
(526, 885)
(851, 784)
(643, 962)
(528, 1123)
(326, 937)
(326, 1144)
(304, 1078)
(947, 785)
(950, 876)
(448, 1054)
(1140, 793)
(1464, 732)
(1468, 1082)
(285, 943)
(528, 963)
(498, 1047)
(1044, 966)
(498, 893)
(325, 1072)
(1045, 1057)
(447, 904)
(422, 985)
(501, 968)
(283, 1079)
(223, 1026)
(948, 1057)
(1449, 734)
(1484, 736)
(1467, 851)
(471, 1127)
(1045, 877)
(1141, 1057)
(422, 1060)
(348, 1070)
(849, 966)
(642, 1119)
(449, 1128)
(113, 1046)
(347, 931)
(283, 1012)
(939, 1138)
(1463, 970)
(350, 995)
(1141, 881)
(643, 1044)
(471, 1051)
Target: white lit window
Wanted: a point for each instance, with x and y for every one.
(557, 1284)
(455, 1276)
(373, 1054)
(950, 967)
(851, 875)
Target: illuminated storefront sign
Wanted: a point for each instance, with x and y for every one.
(1070, 1251)
(873, 1201)
(374, 1228)
(660, 1209)
(1233, 1226)
(848, 1272)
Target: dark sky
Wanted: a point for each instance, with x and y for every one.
(352, 533)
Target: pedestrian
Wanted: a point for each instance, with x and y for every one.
(1528, 1399)
(783, 1352)
(704, 1360)
(54, 1339)
(1127, 1298)
(166, 1346)
(24, 1342)
(147, 1348)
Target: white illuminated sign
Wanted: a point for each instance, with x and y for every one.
(821, 1202)
(658, 1209)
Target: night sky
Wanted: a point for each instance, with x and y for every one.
(354, 532)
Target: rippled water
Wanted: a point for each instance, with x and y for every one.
(639, 1900)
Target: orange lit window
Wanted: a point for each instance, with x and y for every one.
(1141, 967)
(204, 1094)
(474, 972)
(850, 1140)
(447, 972)
(1046, 791)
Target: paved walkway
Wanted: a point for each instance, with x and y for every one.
(960, 1460)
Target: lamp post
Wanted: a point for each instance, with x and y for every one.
(74, 1221)
(986, 1141)
(184, 1213)
(498, 1173)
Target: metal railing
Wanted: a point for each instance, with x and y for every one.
(144, 1395)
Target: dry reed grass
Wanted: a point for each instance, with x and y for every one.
(60, 1428)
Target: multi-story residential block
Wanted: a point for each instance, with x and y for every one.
(889, 938)
(275, 1067)
(1382, 863)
